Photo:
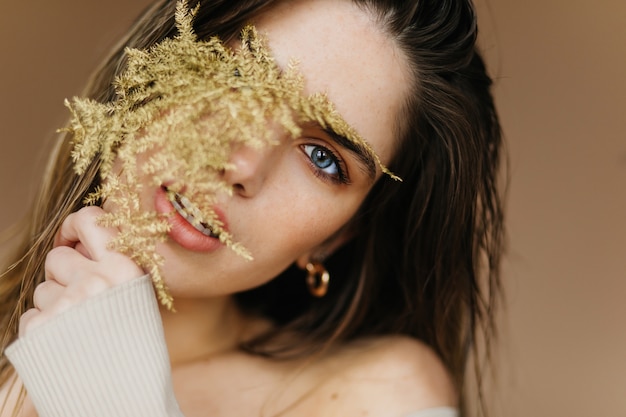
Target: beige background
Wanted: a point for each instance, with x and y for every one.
(560, 67)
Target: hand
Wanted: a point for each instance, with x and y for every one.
(78, 267)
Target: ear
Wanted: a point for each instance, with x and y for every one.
(330, 245)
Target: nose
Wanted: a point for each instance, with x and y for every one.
(249, 168)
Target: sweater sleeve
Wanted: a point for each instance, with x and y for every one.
(102, 358)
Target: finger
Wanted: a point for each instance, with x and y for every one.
(72, 269)
(64, 265)
(47, 294)
(80, 248)
(81, 227)
(28, 320)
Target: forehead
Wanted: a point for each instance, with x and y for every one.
(342, 52)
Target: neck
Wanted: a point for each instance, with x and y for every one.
(201, 328)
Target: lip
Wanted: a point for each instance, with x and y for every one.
(184, 233)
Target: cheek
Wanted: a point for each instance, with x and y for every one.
(293, 236)
(306, 219)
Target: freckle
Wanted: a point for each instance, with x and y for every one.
(334, 396)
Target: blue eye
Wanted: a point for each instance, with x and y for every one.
(323, 159)
(326, 164)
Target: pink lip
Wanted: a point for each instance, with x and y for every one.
(184, 233)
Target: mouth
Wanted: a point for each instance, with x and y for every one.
(190, 213)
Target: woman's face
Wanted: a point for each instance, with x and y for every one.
(289, 199)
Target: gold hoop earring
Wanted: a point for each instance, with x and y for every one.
(317, 279)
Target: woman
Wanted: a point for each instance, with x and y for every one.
(413, 264)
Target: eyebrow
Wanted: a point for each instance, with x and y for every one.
(364, 156)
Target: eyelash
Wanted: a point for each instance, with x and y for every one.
(339, 177)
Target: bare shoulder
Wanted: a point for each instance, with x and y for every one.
(414, 369)
(388, 376)
(11, 396)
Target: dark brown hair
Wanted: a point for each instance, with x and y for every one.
(425, 256)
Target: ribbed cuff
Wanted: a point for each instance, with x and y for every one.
(106, 357)
(436, 412)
